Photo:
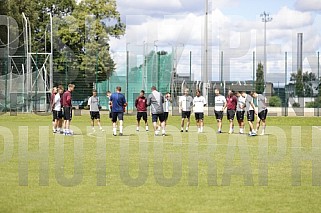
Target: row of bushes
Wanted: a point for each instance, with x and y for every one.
(275, 101)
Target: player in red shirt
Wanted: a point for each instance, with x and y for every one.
(61, 91)
(231, 103)
(67, 105)
(141, 105)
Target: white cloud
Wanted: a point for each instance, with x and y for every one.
(291, 19)
(148, 4)
(308, 5)
(244, 35)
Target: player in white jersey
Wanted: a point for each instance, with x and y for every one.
(220, 105)
(167, 104)
(262, 111)
(93, 103)
(185, 106)
(199, 103)
(250, 109)
(240, 111)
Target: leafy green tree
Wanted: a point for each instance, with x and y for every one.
(3, 29)
(89, 37)
(303, 83)
(259, 85)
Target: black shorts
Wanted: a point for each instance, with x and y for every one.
(155, 117)
(186, 114)
(67, 113)
(94, 115)
(262, 115)
(199, 115)
(165, 116)
(140, 115)
(56, 115)
(250, 115)
(240, 115)
(119, 115)
(218, 115)
(230, 114)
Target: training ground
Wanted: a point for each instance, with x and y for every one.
(139, 172)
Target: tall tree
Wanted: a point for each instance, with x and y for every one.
(87, 34)
(299, 86)
(259, 85)
(303, 83)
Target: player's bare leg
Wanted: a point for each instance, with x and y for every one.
(263, 127)
(93, 124)
(182, 124)
(121, 127)
(198, 126)
(258, 124)
(99, 124)
(219, 126)
(163, 128)
(155, 128)
(114, 128)
(146, 125)
(187, 124)
(241, 126)
(231, 126)
(251, 126)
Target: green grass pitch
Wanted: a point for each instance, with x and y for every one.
(138, 172)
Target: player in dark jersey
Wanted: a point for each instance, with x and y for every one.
(141, 105)
(118, 102)
(67, 108)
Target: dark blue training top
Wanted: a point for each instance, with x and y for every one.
(118, 101)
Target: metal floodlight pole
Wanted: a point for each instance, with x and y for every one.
(253, 77)
(190, 69)
(157, 63)
(285, 82)
(318, 83)
(51, 53)
(265, 18)
(127, 73)
(206, 41)
(96, 72)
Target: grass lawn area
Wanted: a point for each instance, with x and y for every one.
(138, 172)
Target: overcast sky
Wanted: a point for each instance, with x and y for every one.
(236, 29)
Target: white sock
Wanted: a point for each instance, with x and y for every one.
(146, 127)
(114, 131)
(201, 129)
(186, 128)
(120, 129)
(137, 128)
(163, 131)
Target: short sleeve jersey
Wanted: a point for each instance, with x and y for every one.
(219, 102)
(199, 103)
